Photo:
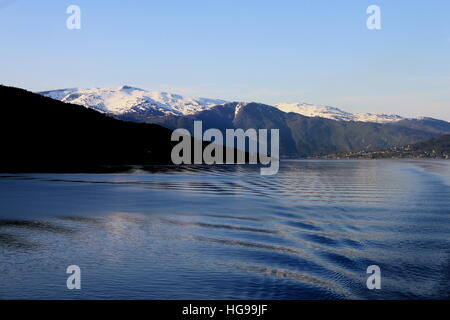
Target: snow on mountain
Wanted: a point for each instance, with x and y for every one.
(126, 99)
(58, 94)
(310, 110)
(378, 118)
(239, 107)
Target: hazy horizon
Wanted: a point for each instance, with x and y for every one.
(290, 51)
(342, 108)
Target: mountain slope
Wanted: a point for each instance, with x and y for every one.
(333, 113)
(302, 136)
(132, 103)
(128, 103)
(42, 134)
(433, 148)
(305, 130)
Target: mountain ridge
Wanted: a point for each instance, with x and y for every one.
(437, 148)
(334, 113)
(302, 136)
(130, 103)
(122, 100)
(42, 134)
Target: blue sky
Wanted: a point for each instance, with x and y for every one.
(267, 51)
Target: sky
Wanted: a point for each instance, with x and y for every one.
(318, 52)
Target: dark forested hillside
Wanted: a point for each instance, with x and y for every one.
(302, 136)
(42, 134)
(433, 148)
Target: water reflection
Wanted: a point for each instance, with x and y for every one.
(164, 232)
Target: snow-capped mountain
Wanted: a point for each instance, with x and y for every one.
(131, 103)
(311, 110)
(126, 99)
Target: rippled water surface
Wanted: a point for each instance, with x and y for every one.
(309, 232)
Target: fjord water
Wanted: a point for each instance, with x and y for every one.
(225, 232)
